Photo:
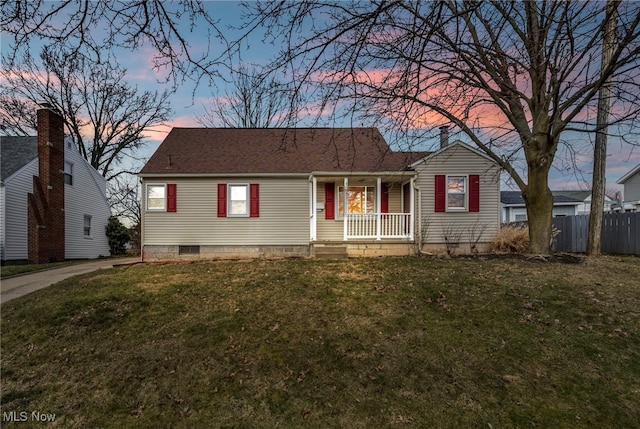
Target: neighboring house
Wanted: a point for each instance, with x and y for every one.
(211, 192)
(585, 197)
(53, 203)
(631, 183)
(513, 208)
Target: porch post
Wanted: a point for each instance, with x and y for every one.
(412, 209)
(313, 203)
(379, 207)
(345, 208)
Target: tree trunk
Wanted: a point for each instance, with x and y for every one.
(594, 235)
(539, 200)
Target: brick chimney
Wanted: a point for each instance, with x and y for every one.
(444, 136)
(46, 203)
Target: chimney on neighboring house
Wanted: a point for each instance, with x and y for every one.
(46, 233)
(444, 136)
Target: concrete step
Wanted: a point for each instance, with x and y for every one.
(337, 251)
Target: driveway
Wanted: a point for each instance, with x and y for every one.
(20, 285)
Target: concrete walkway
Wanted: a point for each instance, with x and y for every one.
(20, 285)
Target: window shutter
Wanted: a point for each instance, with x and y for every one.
(171, 198)
(222, 200)
(474, 193)
(254, 200)
(329, 201)
(441, 193)
(384, 200)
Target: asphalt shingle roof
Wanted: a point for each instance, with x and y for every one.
(16, 152)
(275, 151)
(515, 198)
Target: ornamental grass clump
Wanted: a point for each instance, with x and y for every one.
(510, 239)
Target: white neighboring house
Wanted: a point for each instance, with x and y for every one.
(631, 183)
(565, 203)
(86, 210)
(585, 197)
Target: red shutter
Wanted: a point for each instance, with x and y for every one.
(474, 193)
(384, 200)
(329, 201)
(254, 200)
(441, 193)
(171, 198)
(222, 200)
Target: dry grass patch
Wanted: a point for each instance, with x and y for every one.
(356, 343)
(510, 239)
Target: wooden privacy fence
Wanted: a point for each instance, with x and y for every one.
(620, 233)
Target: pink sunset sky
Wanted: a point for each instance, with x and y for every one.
(190, 101)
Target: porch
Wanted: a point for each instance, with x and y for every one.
(379, 208)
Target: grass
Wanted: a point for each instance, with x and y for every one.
(364, 343)
(12, 270)
(24, 268)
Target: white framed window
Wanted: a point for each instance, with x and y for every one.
(156, 197)
(456, 192)
(68, 173)
(87, 226)
(238, 200)
(360, 200)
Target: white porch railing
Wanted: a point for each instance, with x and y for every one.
(378, 225)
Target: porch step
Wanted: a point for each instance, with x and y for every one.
(331, 251)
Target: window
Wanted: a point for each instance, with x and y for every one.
(456, 192)
(188, 250)
(238, 200)
(87, 225)
(68, 173)
(360, 200)
(155, 197)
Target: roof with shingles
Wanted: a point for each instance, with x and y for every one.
(275, 151)
(515, 198)
(16, 152)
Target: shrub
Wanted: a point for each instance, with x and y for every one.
(118, 236)
(510, 239)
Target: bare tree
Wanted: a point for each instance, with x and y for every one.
(83, 26)
(124, 199)
(514, 77)
(594, 236)
(104, 116)
(255, 101)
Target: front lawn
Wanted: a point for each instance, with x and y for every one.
(364, 343)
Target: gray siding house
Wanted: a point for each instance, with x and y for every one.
(229, 193)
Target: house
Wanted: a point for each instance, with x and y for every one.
(53, 203)
(513, 208)
(565, 203)
(631, 183)
(214, 192)
(585, 197)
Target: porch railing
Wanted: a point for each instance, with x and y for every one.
(378, 225)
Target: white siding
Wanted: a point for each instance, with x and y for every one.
(17, 186)
(457, 159)
(86, 196)
(284, 215)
